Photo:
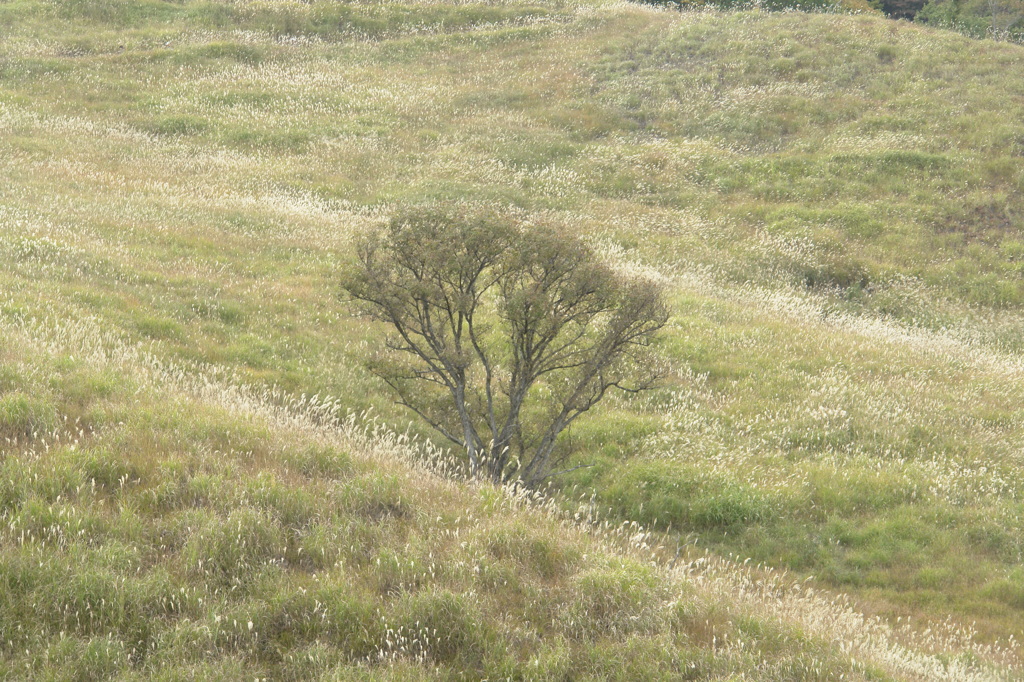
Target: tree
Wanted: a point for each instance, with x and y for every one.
(999, 19)
(501, 333)
(1006, 18)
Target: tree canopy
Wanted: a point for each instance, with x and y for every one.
(501, 333)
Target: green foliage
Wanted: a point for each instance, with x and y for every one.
(443, 628)
(617, 598)
(465, 293)
(903, 9)
(232, 550)
(686, 498)
(1000, 19)
(321, 462)
(176, 125)
(376, 497)
(319, 20)
(120, 13)
(24, 416)
(1009, 590)
(769, 5)
(525, 548)
(160, 328)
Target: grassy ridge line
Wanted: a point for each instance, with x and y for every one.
(743, 593)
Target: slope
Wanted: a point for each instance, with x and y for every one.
(162, 524)
(833, 201)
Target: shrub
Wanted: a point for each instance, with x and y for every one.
(24, 416)
(615, 599)
(228, 550)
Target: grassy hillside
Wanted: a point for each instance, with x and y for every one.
(833, 202)
(160, 525)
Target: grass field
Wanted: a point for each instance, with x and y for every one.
(833, 202)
